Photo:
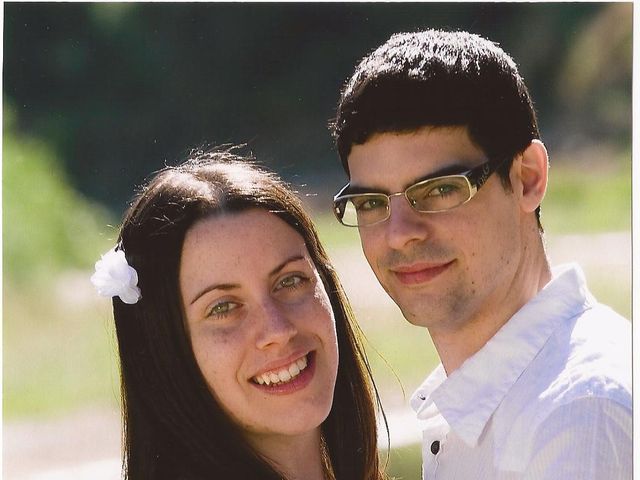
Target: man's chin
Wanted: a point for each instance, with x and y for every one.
(417, 313)
(424, 310)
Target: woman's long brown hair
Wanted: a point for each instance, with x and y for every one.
(173, 426)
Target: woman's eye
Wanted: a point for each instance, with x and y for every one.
(222, 309)
(292, 281)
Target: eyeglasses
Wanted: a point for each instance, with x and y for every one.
(431, 195)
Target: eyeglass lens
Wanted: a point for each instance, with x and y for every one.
(433, 195)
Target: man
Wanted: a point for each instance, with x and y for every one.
(438, 135)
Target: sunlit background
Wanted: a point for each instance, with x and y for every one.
(99, 95)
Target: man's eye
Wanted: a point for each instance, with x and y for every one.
(365, 204)
(443, 190)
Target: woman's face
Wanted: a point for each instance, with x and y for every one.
(260, 322)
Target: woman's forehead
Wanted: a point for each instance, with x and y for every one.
(252, 242)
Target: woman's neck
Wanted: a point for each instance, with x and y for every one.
(298, 457)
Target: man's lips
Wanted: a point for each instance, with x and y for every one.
(419, 272)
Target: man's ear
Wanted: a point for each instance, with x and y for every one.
(531, 175)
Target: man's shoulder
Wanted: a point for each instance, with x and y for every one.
(588, 357)
(604, 421)
(591, 358)
(583, 370)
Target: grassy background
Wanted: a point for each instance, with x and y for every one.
(59, 348)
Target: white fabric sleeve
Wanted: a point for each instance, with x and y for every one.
(587, 439)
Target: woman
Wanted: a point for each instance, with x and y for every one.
(229, 342)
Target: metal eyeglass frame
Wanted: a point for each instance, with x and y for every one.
(475, 178)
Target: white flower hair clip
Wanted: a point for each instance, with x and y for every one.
(114, 277)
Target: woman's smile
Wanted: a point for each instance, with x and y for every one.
(289, 379)
(282, 375)
(260, 322)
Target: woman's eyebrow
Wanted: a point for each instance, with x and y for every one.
(293, 258)
(231, 286)
(215, 286)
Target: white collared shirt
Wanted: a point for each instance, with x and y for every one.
(548, 397)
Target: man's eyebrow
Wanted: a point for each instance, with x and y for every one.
(454, 169)
(231, 286)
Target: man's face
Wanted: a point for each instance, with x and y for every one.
(445, 269)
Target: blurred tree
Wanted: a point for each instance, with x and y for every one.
(52, 230)
(595, 82)
(118, 89)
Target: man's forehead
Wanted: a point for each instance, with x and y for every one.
(397, 158)
(401, 176)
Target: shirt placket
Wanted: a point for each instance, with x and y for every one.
(434, 438)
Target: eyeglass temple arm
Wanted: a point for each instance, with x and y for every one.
(342, 191)
(481, 174)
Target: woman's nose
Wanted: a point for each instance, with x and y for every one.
(275, 327)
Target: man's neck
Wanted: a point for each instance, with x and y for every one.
(456, 345)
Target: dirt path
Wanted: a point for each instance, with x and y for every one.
(85, 445)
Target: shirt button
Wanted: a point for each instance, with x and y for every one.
(422, 397)
(435, 447)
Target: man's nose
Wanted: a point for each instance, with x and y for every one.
(404, 224)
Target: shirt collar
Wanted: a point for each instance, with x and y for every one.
(470, 395)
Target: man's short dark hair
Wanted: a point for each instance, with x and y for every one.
(437, 78)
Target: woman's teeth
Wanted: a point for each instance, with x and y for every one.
(283, 375)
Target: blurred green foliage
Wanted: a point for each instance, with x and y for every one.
(588, 200)
(57, 353)
(118, 89)
(48, 226)
(98, 95)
